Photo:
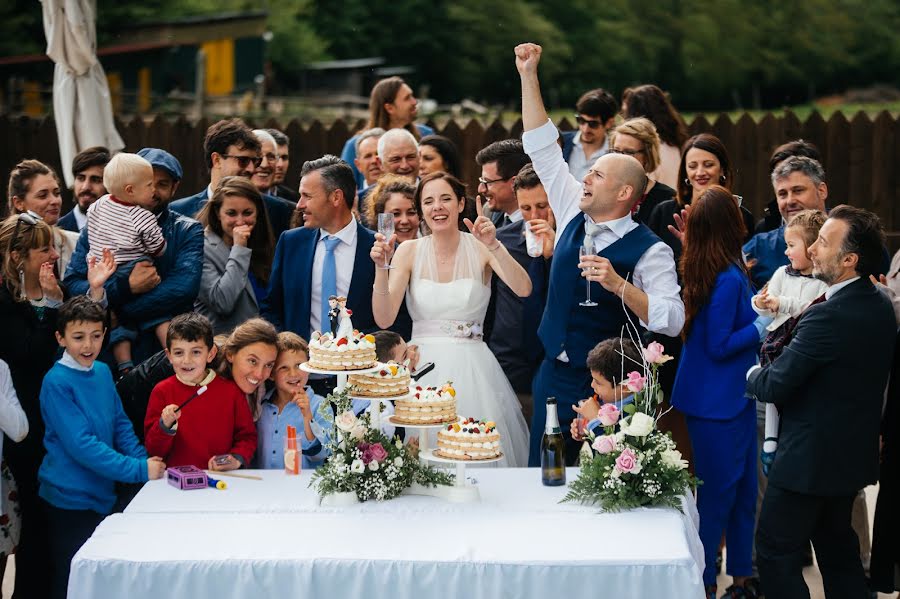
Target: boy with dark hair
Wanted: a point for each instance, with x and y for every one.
(89, 441)
(196, 416)
(608, 362)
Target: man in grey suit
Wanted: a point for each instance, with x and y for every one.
(829, 386)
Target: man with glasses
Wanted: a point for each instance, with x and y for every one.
(595, 114)
(500, 162)
(231, 149)
(283, 158)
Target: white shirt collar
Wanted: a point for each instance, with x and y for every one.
(68, 360)
(604, 149)
(209, 191)
(80, 217)
(837, 287)
(515, 216)
(620, 226)
(346, 235)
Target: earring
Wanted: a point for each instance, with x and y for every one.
(722, 179)
(687, 181)
(22, 284)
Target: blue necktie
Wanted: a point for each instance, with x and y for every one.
(329, 278)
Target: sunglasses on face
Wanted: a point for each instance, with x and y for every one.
(30, 219)
(589, 122)
(244, 161)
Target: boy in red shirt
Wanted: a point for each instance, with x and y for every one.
(214, 428)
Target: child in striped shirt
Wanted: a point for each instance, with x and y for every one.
(122, 222)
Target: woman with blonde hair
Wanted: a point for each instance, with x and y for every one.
(638, 138)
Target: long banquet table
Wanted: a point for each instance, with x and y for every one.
(270, 538)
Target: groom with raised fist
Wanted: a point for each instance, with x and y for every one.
(631, 273)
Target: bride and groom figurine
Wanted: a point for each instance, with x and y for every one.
(339, 317)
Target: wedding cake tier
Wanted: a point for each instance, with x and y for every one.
(469, 439)
(426, 405)
(353, 352)
(392, 380)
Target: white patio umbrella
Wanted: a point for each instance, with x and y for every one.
(81, 103)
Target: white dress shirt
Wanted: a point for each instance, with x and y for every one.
(80, 217)
(654, 273)
(344, 257)
(515, 216)
(579, 164)
(13, 421)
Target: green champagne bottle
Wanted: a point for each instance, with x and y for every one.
(553, 449)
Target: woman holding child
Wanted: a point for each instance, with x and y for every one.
(446, 279)
(238, 250)
(720, 339)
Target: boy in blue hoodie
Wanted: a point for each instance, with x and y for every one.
(89, 440)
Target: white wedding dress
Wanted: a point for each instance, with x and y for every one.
(447, 321)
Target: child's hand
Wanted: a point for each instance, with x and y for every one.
(156, 468)
(231, 464)
(772, 304)
(759, 300)
(170, 416)
(588, 409)
(302, 401)
(575, 429)
(412, 355)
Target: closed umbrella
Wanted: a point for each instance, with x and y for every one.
(81, 103)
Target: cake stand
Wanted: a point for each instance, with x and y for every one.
(376, 414)
(340, 374)
(461, 491)
(423, 437)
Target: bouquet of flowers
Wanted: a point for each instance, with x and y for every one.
(364, 461)
(638, 466)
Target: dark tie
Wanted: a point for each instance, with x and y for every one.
(505, 220)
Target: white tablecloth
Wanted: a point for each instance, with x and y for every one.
(269, 538)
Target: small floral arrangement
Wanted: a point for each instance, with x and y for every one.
(636, 466)
(364, 461)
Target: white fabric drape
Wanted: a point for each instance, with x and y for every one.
(81, 100)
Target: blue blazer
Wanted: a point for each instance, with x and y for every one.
(278, 210)
(68, 223)
(718, 351)
(288, 303)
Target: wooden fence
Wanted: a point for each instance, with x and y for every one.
(861, 156)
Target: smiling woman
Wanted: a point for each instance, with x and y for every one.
(250, 354)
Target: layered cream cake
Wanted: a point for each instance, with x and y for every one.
(469, 439)
(392, 380)
(355, 352)
(427, 405)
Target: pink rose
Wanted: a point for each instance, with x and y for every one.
(654, 353)
(627, 462)
(609, 414)
(378, 452)
(635, 382)
(605, 444)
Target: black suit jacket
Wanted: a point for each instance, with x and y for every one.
(286, 193)
(829, 387)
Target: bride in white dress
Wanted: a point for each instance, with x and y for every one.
(446, 279)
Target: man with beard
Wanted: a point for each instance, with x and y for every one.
(500, 162)
(841, 351)
(152, 292)
(87, 167)
(231, 149)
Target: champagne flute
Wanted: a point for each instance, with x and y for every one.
(582, 252)
(386, 228)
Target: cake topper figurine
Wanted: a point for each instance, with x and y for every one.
(334, 313)
(344, 326)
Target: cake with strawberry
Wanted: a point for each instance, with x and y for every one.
(469, 439)
(390, 381)
(426, 405)
(353, 351)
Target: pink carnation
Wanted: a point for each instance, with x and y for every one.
(635, 382)
(609, 414)
(627, 462)
(605, 444)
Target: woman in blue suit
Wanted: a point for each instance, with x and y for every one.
(720, 341)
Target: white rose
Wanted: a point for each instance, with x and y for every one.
(672, 458)
(639, 425)
(357, 467)
(398, 461)
(399, 444)
(358, 432)
(373, 465)
(346, 421)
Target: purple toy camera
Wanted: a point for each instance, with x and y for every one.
(186, 477)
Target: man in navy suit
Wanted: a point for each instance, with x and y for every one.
(296, 300)
(87, 167)
(829, 387)
(631, 272)
(231, 149)
(500, 162)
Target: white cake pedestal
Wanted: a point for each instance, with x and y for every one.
(462, 491)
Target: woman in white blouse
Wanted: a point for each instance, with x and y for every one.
(14, 424)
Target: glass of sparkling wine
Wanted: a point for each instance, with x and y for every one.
(582, 252)
(386, 228)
